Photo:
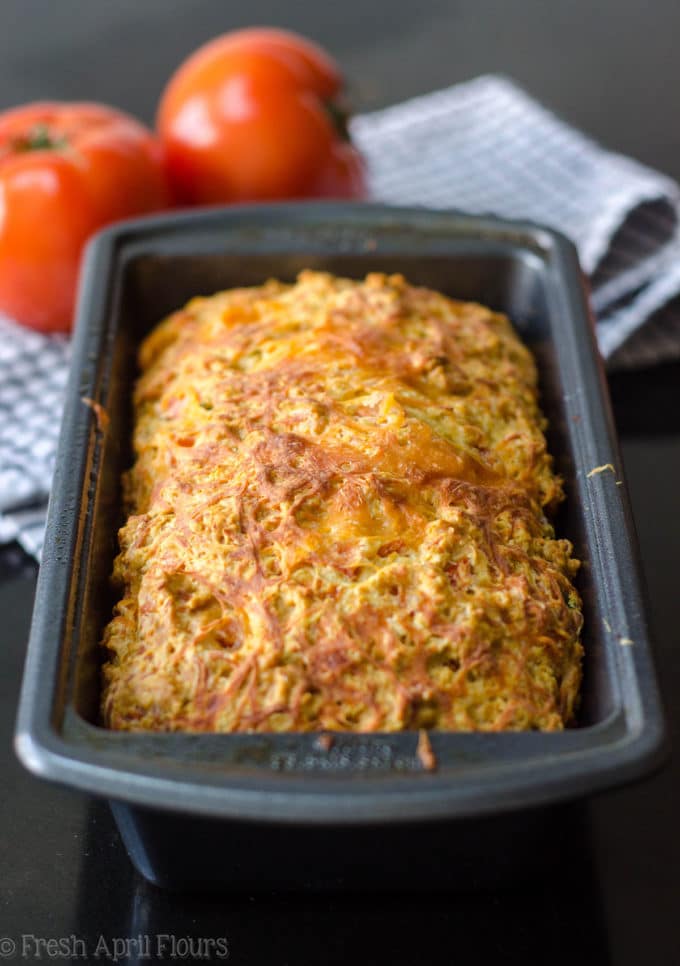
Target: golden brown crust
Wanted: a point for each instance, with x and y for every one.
(337, 521)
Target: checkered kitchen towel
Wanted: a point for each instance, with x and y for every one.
(483, 146)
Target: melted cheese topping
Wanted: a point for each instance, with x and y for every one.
(338, 521)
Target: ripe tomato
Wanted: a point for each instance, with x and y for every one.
(257, 114)
(65, 171)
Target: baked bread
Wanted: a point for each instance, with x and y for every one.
(339, 520)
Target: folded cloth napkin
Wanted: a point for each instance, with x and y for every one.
(482, 146)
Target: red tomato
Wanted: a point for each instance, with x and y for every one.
(257, 114)
(65, 171)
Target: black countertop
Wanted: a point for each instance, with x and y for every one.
(611, 68)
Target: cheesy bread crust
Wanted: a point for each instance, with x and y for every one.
(338, 521)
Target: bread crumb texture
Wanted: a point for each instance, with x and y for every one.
(339, 520)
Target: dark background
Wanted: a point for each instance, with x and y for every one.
(613, 69)
(609, 66)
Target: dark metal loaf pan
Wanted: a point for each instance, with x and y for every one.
(238, 790)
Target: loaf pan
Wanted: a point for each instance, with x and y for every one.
(221, 793)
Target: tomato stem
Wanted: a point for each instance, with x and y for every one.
(339, 116)
(40, 138)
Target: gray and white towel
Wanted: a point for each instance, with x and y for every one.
(484, 147)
